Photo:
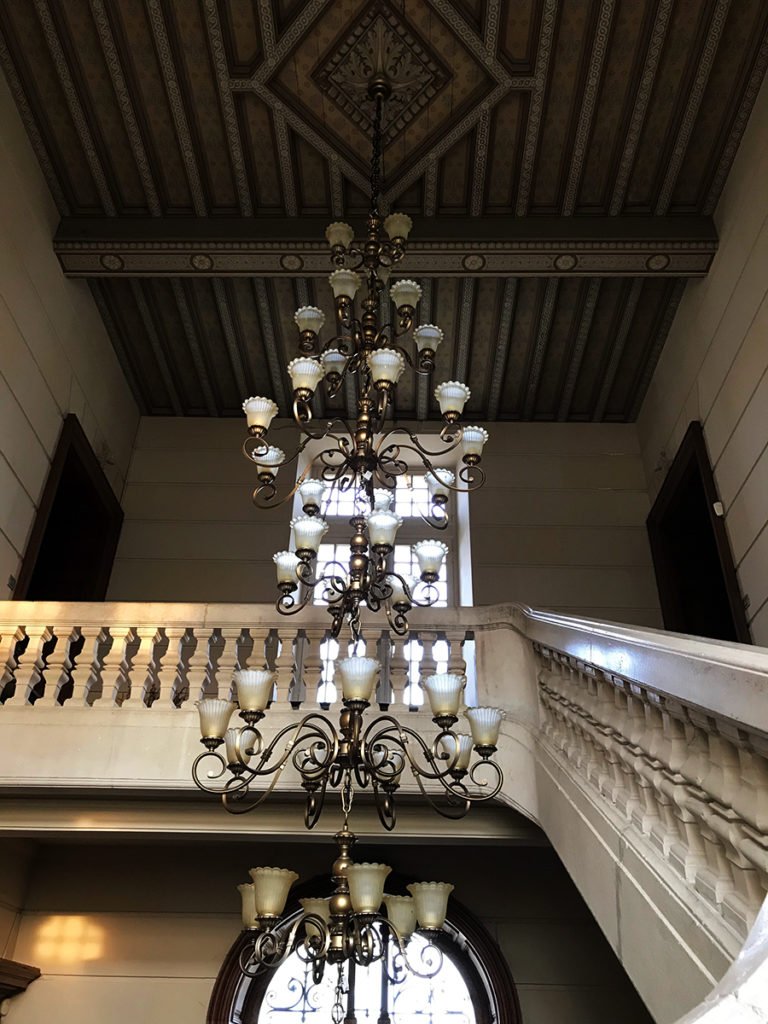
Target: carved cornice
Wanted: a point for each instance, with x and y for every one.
(474, 246)
(15, 977)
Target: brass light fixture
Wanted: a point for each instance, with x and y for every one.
(362, 457)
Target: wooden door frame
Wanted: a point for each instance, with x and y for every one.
(693, 453)
(72, 439)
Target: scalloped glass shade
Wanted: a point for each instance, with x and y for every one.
(309, 318)
(382, 499)
(308, 531)
(312, 492)
(399, 595)
(344, 283)
(431, 899)
(270, 461)
(270, 889)
(230, 744)
(405, 293)
(248, 904)
(444, 692)
(452, 396)
(340, 233)
(318, 908)
(358, 677)
(305, 373)
(438, 483)
(386, 364)
(254, 688)
(428, 336)
(485, 724)
(466, 746)
(401, 911)
(383, 527)
(286, 563)
(366, 886)
(259, 412)
(473, 439)
(430, 555)
(214, 717)
(333, 360)
(398, 225)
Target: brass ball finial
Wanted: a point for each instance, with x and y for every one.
(379, 87)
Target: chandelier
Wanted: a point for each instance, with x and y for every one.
(369, 357)
(453, 770)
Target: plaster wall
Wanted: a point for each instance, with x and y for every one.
(714, 368)
(139, 932)
(55, 355)
(559, 524)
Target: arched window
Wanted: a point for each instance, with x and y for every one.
(474, 986)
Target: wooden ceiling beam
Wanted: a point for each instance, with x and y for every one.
(630, 246)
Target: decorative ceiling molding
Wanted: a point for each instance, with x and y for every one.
(176, 101)
(75, 107)
(536, 108)
(642, 99)
(579, 347)
(695, 97)
(444, 247)
(229, 115)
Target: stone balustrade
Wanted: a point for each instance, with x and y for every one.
(643, 755)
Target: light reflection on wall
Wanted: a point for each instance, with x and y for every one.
(69, 939)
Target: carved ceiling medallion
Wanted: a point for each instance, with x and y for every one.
(381, 42)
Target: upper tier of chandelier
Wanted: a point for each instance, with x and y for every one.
(362, 456)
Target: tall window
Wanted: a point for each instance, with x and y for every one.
(411, 502)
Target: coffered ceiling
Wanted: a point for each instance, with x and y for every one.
(562, 159)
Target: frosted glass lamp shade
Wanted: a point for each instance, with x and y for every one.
(269, 461)
(286, 563)
(472, 441)
(405, 293)
(248, 900)
(309, 318)
(439, 482)
(428, 336)
(399, 595)
(231, 737)
(317, 908)
(398, 225)
(259, 412)
(485, 724)
(214, 717)
(334, 361)
(430, 555)
(452, 396)
(312, 492)
(386, 365)
(431, 899)
(382, 499)
(444, 692)
(308, 531)
(254, 688)
(401, 911)
(382, 528)
(358, 677)
(344, 284)
(305, 373)
(340, 233)
(270, 889)
(366, 886)
(466, 745)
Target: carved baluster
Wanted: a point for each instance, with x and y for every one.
(384, 651)
(167, 663)
(9, 642)
(398, 670)
(85, 671)
(113, 666)
(228, 661)
(30, 667)
(313, 669)
(57, 668)
(427, 667)
(256, 656)
(141, 675)
(284, 665)
(198, 662)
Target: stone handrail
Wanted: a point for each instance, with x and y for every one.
(663, 737)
